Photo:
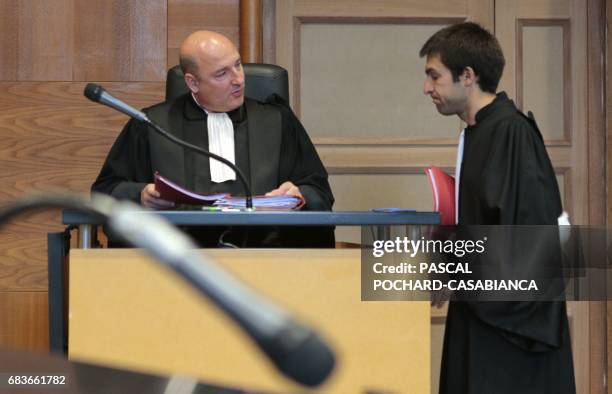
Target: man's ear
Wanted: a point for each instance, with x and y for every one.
(469, 76)
(192, 82)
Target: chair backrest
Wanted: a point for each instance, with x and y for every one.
(261, 81)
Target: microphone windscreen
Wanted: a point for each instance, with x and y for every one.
(93, 91)
(301, 354)
(310, 364)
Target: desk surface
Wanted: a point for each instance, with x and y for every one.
(261, 218)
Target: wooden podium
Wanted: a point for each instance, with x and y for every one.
(127, 311)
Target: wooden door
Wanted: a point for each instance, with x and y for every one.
(356, 84)
(546, 47)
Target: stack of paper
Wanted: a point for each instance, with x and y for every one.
(170, 191)
(263, 203)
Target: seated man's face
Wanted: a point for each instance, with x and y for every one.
(220, 78)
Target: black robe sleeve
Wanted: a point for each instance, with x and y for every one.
(300, 164)
(127, 169)
(519, 188)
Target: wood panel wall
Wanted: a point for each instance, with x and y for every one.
(52, 137)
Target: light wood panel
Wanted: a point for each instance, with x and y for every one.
(291, 15)
(513, 19)
(51, 137)
(161, 324)
(408, 159)
(334, 54)
(66, 40)
(186, 16)
(9, 43)
(119, 40)
(543, 66)
(45, 35)
(390, 8)
(54, 137)
(24, 321)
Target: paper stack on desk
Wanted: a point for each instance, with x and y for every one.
(170, 191)
(262, 203)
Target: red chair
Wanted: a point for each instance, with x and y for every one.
(443, 188)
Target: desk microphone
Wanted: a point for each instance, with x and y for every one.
(98, 94)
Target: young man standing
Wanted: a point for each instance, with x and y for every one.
(503, 177)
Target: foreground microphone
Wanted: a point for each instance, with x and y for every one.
(295, 349)
(97, 94)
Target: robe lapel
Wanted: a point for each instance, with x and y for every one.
(167, 157)
(194, 133)
(264, 130)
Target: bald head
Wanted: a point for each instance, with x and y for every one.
(202, 44)
(213, 70)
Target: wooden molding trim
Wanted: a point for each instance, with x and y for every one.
(567, 69)
(596, 112)
(422, 142)
(608, 115)
(596, 134)
(411, 170)
(402, 20)
(381, 170)
(251, 31)
(269, 31)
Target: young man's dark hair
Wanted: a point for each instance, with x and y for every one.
(468, 45)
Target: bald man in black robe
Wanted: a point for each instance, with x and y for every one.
(270, 146)
(504, 178)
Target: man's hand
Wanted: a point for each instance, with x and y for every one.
(286, 189)
(149, 197)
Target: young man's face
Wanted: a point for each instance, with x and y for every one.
(449, 97)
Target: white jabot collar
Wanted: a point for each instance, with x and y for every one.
(458, 174)
(220, 142)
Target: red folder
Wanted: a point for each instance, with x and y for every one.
(443, 188)
(170, 191)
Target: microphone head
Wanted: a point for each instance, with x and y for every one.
(301, 355)
(93, 91)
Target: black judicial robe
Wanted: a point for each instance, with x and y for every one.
(271, 147)
(506, 347)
